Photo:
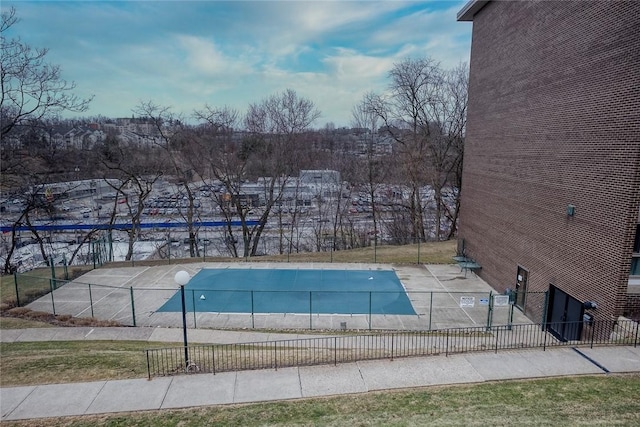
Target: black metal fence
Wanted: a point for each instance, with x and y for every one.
(388, 345)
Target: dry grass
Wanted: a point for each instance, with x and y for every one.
(30, 363)
(423, 253)
(18, 323)
(50, 318)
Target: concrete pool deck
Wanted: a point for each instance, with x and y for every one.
(441, 295)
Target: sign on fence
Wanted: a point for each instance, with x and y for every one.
(501, 300)
(467, 302)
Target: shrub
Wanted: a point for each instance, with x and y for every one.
(18, 311)
(40, 315)
(8, 305)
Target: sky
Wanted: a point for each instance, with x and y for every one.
(188, 54)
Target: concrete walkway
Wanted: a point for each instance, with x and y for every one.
(57, 400)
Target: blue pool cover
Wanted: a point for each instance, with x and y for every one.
(293, 291)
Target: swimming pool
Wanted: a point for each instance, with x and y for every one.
(302, 291)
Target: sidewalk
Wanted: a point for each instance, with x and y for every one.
(56, 400)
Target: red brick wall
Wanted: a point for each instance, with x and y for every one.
(554, 104)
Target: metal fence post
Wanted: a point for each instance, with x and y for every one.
(110, 239)
(253, 320)
(545, 307)
(184, 328)
(430, 308)
(275, 355)
(193, 301)
(133, 307)
(91, 300)
(53, 268)
(497, 337)
(446, 352)
(490, 311)
(593, 330)
(66, 267)
(392, 346)
(335, 351)
(53, 303)
(310, 312)
(369, 310)
(375, 250)
(15, 281)
(635, 341)
(204, 253)
(213, 358)
(510, 314)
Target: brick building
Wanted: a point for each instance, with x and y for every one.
(550, 196)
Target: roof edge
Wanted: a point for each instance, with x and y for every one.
(470, 9)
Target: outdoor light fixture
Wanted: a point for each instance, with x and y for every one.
(571, 210)
(182, 278)
(590, 305)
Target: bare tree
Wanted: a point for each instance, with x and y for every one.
(279, 121)
(366, 119)
(424, 112)
(266, 152)
(456, 95)
(175, 141)
(221, 160)
(135, 178)
(31, 88)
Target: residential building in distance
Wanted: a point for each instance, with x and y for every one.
(550, 199)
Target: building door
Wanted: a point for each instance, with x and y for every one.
(521, 287)
(565, 316)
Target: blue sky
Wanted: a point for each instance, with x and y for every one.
(185, 54)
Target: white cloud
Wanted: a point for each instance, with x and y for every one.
(349, 64)
(204, 56)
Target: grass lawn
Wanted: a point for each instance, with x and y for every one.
(423, 253)
(588, 400)
(34, 282)
(16, 323)
(30, 363)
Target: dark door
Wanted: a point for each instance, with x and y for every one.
(565, 316)
(521, 287)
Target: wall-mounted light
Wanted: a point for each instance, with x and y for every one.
(571, 210)
(590, 305)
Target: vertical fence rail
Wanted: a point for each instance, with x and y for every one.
(133, 306)
(193, 301)
(53, 303)
(91, 301)
(15, 281)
